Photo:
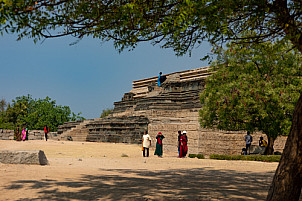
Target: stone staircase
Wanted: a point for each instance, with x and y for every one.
(124, 129)
(77, 133)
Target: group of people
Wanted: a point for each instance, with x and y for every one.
(248, 142)
(23, 135)
(182, 144)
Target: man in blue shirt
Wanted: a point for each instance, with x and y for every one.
(248, 141)
(159, 80)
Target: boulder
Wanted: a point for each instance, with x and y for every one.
(257, 150)
(32, 157)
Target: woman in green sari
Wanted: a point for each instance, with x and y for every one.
(159, 144)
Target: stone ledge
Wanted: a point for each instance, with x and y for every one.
(31, 157)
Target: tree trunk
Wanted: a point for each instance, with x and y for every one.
(270, 147)
(287, 181)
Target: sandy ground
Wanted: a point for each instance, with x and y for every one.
(97, 171)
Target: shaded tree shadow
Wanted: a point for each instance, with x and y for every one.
(174, 184)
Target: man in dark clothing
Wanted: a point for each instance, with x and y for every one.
(178, 143)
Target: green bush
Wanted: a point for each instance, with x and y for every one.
(192, 155)
(199, 156)
(106, 112)
(268, 158)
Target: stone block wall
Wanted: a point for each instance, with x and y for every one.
(32, 134)
(6, 134)
(204, 141)
(207, 141)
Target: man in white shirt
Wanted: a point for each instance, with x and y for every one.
(146, 143)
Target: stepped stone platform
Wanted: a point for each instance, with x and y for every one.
(167, 109)
(118, 129)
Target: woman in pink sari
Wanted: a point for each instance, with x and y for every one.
(23, 134)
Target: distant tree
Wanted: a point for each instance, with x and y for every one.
(253, 87)
(3, 105)
(35, 114)
(106, 112)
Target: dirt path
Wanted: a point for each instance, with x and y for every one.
(97, 171)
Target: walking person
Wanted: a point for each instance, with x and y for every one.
(26, 131)
(19, 138)
(146, 143)
(159, 145)
(248, 141)
(183, 145)
(178, 143)
(46, 130)
(23, 135)
(17, 133)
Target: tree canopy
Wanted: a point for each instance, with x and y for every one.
(35, 114)
(253, 87)
(177, 24)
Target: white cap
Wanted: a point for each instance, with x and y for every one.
(184, 132)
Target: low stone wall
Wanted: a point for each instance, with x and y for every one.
(32, 134)
(6, 134)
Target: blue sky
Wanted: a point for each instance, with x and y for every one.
(89, 76)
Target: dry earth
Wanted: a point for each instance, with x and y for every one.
(97, 171)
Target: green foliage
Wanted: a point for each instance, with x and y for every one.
(180, 25)
(199, 156)
(192, 155)
(253, 87)
(265, 158)
(106, 112)
(35, 114)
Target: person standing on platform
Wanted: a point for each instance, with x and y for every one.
(159, 79)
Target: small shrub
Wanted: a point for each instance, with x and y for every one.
(268, 158)
(192, 155)
(200, 156)
(106, 112)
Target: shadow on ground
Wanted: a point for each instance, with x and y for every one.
(125, 184)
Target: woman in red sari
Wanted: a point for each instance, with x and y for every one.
(183, 145)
